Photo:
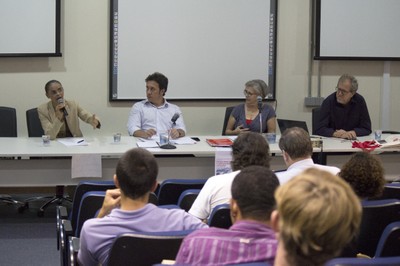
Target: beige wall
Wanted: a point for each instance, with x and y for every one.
(83, 70)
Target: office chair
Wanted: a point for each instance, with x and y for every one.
(391, 191)
(82, 188)
(171, 189)
(8, 128)
(389, 261)
(187, 198)
(228, 112)
(389, 243)
(220, 217)
(35, 130)
(377, 214)
(315, 118)
(145, 248)
(91, 201)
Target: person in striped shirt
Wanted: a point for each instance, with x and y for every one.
(250, 238)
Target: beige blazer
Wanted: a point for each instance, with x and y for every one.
(54, 127)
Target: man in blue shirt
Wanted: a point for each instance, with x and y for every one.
(153, 116)
(344, 113)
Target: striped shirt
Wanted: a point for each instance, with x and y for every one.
(245, 241)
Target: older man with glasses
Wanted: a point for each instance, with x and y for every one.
(344, 113)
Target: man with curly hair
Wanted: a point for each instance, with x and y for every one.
(248, 149)
(365, 174)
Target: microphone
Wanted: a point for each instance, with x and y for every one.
(174, 118)
(60, 101)
(259, 101)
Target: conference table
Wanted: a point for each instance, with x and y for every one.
(26, 162)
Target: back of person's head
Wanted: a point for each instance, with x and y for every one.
(318, 215)
(250, 148)
(253, 190)
(365, 174)
(136, 172)
(352, 79)
(48, 84)
(296, 142)
(259, 85)
(160, 79)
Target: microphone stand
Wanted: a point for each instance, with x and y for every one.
(260, 115)
(169, 146)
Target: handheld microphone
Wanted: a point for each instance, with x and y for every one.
(175, 117)
(60, 101)
(259, 101)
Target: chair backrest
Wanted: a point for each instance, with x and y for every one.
(90, 203)
(392, 261)
(33, 123)
(145, 248)
(8, 122)
(171, 189)
(315, 118)
(81, 189)
(228, 112)
(389, 243)
(377, 214)
(153, 198)
(391, 191)
(220, 216)
(187, 198)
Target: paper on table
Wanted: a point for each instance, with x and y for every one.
(147, 144)
(183, 141)
(86, 165)
(73, 141)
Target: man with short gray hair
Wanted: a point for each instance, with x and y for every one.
(344, 113)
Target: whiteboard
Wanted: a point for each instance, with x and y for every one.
(208, 49)
(30, 28)
(358, 29)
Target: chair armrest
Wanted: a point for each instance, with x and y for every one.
(65, 233)
(73, 247)
(61, 214)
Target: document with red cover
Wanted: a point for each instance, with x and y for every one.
(220, 142)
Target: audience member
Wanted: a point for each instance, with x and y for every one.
(317, 215)
(250, 238)
(246, 117)
(125, 209)
(59, 117)
(297, 150)
(247, 149)
(344, 113)
(153, 116)
(365, 174)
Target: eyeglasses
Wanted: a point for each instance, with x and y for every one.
(57, 91)
(342, 91)
(247, 93)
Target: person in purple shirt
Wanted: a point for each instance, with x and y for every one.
(126, 209)
(344, 113)
(250, 238)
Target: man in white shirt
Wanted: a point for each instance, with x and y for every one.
(297, 150)
(153, 116)
(247, 149)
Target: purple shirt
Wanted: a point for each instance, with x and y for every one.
(245, 241)
(98, 234)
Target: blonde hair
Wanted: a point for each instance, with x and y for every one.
(318, 215)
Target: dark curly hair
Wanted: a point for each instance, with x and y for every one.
(365, 174)
(250, 148)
